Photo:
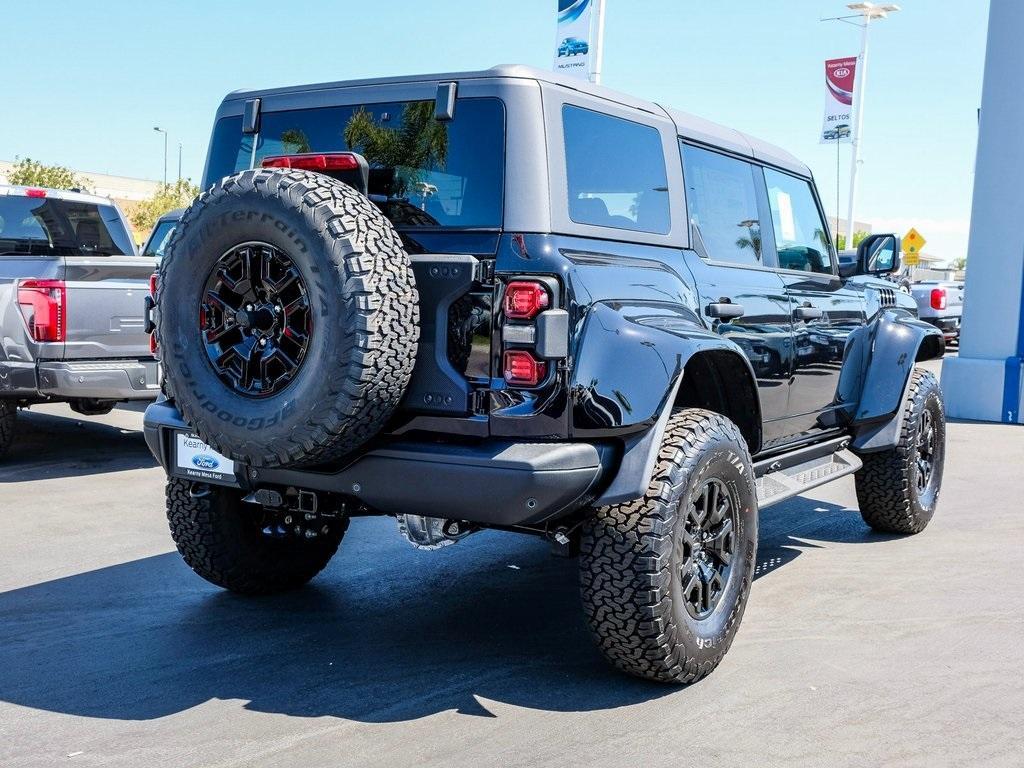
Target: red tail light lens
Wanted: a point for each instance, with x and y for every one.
(938, 298)
(149, 305)
(35, 193)
(43, 304)
(522, 370)
(525, 300)
(337, 161)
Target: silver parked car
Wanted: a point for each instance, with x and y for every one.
(72, 292)
(941, 303)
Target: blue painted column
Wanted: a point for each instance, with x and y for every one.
(985, 382)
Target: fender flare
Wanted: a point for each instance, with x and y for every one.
(617, 341)
(898, 342)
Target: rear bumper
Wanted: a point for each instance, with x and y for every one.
(93, 379)
(950, 326)
(493, 482)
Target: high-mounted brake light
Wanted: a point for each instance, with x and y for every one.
(522, 369)
(35, 193)
(336, 161)
(938, 298)
(525, 300)
(44, 304)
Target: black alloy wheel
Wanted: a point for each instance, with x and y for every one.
(705, 547)
(255, 319)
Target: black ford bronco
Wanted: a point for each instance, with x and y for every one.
(509, 300)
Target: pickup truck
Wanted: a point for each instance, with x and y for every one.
(940, 303)
(72, 290)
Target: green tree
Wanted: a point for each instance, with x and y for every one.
(858, 237)
(959, 263)
(31, 173)
(419, 142)
(166, 198)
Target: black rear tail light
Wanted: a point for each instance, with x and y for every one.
(522, 369)
(524, 300)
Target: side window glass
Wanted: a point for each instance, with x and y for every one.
(615, 172)
(722, 203)
(801, 237)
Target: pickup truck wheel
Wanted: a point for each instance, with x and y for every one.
(898, 489)
(8, 415)
(665, 578)
(220, 538)
(288, 317)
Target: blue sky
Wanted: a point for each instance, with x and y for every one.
(84, 83)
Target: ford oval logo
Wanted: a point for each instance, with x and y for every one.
(205, 462)
(842, 72)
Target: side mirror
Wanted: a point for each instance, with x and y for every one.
(878, 255)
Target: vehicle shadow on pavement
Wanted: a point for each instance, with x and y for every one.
(47, 446)
(386, 634)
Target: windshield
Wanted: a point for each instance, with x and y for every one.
(46, 225)
(423, 173)
(158, 240)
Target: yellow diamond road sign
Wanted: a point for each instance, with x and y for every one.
(913, 242)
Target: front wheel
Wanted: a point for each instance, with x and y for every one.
(898, 489)
(665, 578)
(225, 541)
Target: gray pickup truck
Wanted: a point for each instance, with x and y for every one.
(72, 291)
(941, 303)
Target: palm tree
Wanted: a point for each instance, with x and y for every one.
(420, 143)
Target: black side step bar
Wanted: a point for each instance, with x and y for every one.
(782, 477)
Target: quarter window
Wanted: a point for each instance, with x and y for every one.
(722, 202)
(801, 237)
(615, 171)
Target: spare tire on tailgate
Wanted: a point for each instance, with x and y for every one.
(289, 317)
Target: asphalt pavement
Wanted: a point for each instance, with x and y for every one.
(856, 648)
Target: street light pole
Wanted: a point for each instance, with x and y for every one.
(161, 130)
(179, 161)
(868, 12)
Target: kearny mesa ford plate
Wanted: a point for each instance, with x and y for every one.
(195, 459)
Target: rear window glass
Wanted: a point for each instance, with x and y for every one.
(35, 225)
(615, 171)
(423, 173)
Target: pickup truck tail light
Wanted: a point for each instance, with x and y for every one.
(150, 305)
(938, 298)
(44, 306)
(522, 369)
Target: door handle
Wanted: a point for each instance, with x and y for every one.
(724, 310)
(808, 312)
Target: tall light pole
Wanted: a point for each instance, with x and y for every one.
(161, 130)
(867, 12)
(179, 161)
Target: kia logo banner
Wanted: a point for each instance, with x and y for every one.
(840, 77)
(573, 41)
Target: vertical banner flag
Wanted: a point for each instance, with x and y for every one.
(572, 44)
(840, 75)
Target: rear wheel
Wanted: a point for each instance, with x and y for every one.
(8, 416)
(898, 489)
(665, 578)
(225, 541)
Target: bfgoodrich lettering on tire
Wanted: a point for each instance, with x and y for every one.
(289, 317)
(665, 578)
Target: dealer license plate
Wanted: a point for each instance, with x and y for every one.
(195, 459)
